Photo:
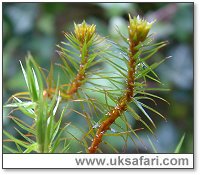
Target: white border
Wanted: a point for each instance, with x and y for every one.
(197, 102)
(119, 160)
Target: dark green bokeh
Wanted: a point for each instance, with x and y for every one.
(37, 27)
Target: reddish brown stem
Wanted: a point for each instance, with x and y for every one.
(121, 106)
(78, 80)
(76, 83)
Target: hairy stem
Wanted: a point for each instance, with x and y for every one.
(78, 80)
(121, 106)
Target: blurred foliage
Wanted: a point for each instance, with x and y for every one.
(37, 27)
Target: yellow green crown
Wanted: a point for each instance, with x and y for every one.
(84, 32)
(138, 29)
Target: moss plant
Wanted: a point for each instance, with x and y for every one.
(138, 30)
(82, 59)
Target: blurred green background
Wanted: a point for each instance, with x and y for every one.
(37, 27)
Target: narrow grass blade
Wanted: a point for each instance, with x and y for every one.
(178, 147)
(15, 140)
(152, 145)
(22, 125)
(25, 75)
(10, 149)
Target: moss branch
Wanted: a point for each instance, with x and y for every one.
(138, 31)
(78, 80)
(84, 38)
(121, 106)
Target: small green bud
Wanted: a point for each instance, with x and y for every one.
(138, 29)
(84, 32)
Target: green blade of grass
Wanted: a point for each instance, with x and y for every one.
(152, 145)
(22, 125)
(32, 147)
(178, 147)
(10, 149)
(12, 138)
(24, 73)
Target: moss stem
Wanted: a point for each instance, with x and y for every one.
(121, 106)
(78, 80)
